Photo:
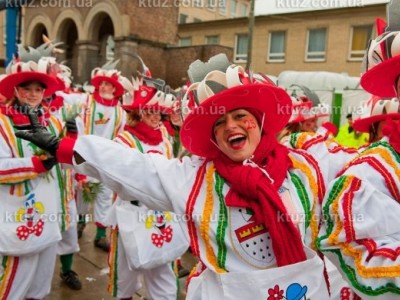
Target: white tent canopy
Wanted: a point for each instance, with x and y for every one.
(326, 85)
(318, 80)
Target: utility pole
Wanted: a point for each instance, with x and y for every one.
(250, 34)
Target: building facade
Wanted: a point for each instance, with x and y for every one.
(324, 40)
(195, 11)
(93, 31)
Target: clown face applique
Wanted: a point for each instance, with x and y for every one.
(158, 222)
(30, 214)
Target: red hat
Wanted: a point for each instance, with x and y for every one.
(301, 110)
(382, 65)
(197, 130)
(374, 110)
(114, 77)
(147, 97)
(20, 72)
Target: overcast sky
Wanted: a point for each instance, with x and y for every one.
(267, 7)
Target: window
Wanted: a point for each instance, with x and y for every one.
(316, 45)
(359, 41)
(196, 20)
(233, 8)
(186, 41)
(242, 41)
(183, 18)
(212, 4)
(197, 3)
(222, 7)
(243, 10)
(212, 40)
(276, 43)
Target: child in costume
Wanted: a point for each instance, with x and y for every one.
(31, 185)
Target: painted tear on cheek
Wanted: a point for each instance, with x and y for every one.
(250, 124)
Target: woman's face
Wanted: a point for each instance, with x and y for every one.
(176, 119)
(31, 94)
(237, 134)
(151, 118)
(309, 125)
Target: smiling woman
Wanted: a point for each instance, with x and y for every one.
(239, 175)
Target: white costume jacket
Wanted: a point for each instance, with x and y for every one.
(236, 256)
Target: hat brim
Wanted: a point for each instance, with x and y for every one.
(8, 83)
(197, 129)
(363, 125)
(97, 80)
(381, 79)
(154, 107)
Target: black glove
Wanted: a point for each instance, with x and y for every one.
(39, 135)
(49, 163)
(71, 126)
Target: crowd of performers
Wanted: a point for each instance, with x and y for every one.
(267, 200)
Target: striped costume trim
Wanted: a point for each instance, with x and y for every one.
(222, 222)
(314, 183)
(344, 188)
(206, 220)
(10, 266)
(112, 287)
(194, 243)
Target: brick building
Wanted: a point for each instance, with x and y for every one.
(93, 30)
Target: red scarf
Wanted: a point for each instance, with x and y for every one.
(145, 133)
(20, 119)
(251, 188)
(54, 104)
(106, 102)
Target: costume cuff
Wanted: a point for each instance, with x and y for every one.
(38, 165)
(65, 151)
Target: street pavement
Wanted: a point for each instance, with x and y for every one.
(91, 265)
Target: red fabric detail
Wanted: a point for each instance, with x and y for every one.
(16, 170)
(375, 251)
(348, 216)
(330, 127)
(23, 231)
(391, 129)
(314, 164)
(21, 119)
(145, 133)
(99, 225)
(54, 104)
(194, 193)
(80, 177)
(165, 236)
(105, 102)
(379, 167)
(250, 188)
(72, 135)
(169, 128)
(38, 165)
(65, 151)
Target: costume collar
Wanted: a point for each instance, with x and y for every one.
(105, 102)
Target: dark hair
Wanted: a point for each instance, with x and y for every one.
(373, 132)
(26, 83)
